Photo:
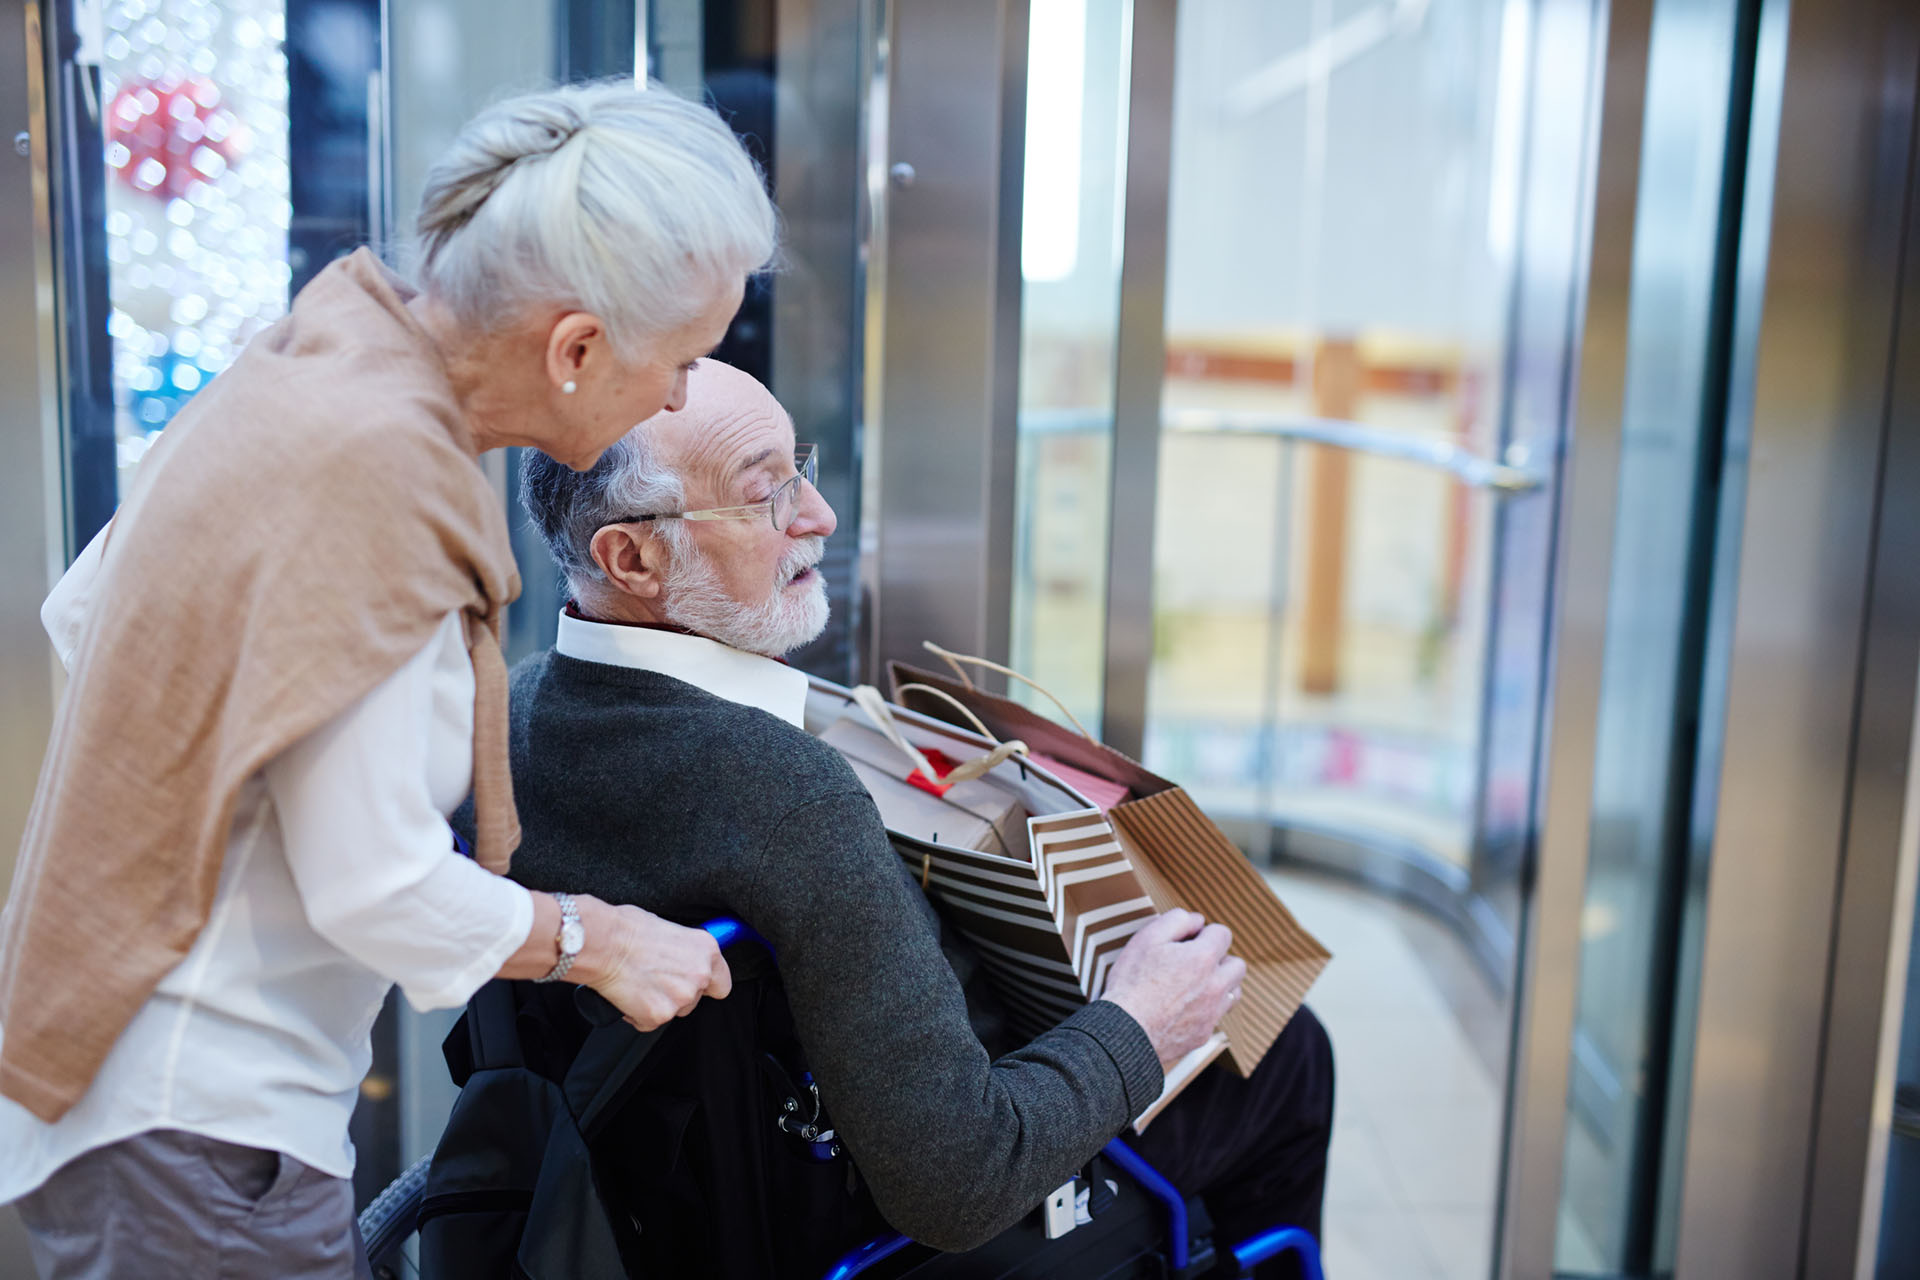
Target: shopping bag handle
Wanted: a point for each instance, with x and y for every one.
(979, 726)
(869, 700)
(955, 659)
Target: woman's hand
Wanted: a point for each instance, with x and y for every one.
(650, 970)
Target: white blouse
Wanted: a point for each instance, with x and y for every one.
(339, 880)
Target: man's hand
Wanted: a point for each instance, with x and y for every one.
(648, 969)
(1176, 980)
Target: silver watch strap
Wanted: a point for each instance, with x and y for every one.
(569, 914)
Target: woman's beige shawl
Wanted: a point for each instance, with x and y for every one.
(294, 537)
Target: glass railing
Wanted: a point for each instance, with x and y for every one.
(1316, 667)
(1320, 592)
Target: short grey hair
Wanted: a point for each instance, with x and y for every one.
(569, 507)
(633, 204)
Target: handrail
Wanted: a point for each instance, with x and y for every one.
(1442, 455)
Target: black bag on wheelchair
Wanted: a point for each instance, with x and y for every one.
(511, 1190)
(580, 1147)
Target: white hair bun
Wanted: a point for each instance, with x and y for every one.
(632, 204)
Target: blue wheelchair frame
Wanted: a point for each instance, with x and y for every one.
(394, 1214)
(1256, 1249)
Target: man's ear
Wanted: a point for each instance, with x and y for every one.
(633, 558)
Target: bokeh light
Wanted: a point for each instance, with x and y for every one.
(197, 199)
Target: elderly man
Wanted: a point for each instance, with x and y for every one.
(659, 760)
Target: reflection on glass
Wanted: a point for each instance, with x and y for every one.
(1626, 1090)
(1077, 72)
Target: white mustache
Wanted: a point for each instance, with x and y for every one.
(804, 556)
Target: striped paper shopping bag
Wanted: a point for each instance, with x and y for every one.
(1180, 857)
(1048, 914)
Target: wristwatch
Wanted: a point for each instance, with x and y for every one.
(572, 937)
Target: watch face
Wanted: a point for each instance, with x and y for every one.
(572, 937)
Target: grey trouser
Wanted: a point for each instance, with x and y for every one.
(167, 1204)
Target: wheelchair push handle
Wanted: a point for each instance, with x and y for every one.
(728, 931)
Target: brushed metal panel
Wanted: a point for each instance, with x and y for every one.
(1140, 358)
(1819, 379)
(819, 157)
(32, 548)
(1847, 1207)
(876, 73)
(1873, 920)
(1601, 50)
(944, 425)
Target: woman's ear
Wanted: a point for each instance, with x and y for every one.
(633, 559)
(572, 344)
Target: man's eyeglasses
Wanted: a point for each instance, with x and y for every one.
(780, 508)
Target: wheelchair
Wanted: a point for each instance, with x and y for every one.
(1120, 1219)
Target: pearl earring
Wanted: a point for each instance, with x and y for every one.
(568, 387)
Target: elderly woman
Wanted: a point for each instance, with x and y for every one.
(286, 673)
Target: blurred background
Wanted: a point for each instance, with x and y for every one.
(1471, 444)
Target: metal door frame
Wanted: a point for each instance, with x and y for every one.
(940, 444)
(1820, 680)
(33, 482)
(1618, 38)
(1879, 856)
(1806, 768)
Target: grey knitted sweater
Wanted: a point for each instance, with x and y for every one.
(639, 788)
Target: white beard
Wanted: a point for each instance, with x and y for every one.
(775, 626)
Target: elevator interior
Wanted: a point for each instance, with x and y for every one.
(1461, 440)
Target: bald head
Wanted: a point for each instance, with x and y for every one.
(646, 471)
(729, 425)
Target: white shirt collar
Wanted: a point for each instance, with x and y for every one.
(733, 674)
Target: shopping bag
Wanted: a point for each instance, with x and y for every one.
(1048, 910)
(921, 796)
(1179, 855)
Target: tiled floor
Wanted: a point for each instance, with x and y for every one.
(1415, 1158)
